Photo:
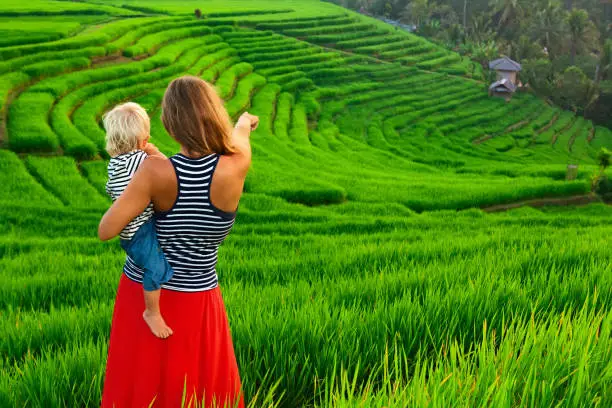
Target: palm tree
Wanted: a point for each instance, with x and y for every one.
(509, 10)
(481, 30)
(604, 65)
(599, 182)
(416, 12)
(581, 30)
(549, 27)
(591, 96)
(484, 52)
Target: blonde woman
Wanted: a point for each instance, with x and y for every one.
(195, 194)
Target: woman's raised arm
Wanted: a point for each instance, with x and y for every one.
(130, 204)
(228, 180)
(241, 141)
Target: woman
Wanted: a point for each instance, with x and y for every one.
(195, 194)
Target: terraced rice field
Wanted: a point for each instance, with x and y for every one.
(361, 270)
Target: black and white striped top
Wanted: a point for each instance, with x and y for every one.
(121, 169)
(191, 232)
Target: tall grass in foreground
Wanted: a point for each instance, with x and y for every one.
(514, 307)
(553, 361)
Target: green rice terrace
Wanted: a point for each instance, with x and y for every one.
(364, 269)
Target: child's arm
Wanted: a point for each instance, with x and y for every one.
(131, 203)
(152, 150)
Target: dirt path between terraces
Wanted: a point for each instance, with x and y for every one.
(578, 200)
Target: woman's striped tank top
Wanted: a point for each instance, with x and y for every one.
(192, 230)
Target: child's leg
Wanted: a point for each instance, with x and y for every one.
(152, 314)
(144, 250)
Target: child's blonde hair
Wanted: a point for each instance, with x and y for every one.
(125, 125)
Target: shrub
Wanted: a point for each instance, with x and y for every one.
(603, 158)
(603, 187)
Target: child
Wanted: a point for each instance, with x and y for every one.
(127, 141)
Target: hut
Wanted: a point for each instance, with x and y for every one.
(507, 81)
(504, 88)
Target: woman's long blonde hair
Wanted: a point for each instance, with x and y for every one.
(194, 115)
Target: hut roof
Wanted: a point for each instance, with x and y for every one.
(503, 85)
(505, 64)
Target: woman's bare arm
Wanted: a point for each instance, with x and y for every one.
(228, 179)
(130, 204)
(241, 141)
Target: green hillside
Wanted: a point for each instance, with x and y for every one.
(362, 270)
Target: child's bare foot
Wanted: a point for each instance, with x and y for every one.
(157, 324)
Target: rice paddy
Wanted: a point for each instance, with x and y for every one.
(362, 270)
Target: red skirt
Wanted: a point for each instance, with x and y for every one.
(196, 363)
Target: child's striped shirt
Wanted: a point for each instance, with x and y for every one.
(121, 169)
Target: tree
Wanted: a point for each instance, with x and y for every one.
(603, 157)
(416, 12)
(549, 27)
(484, 52)
(481, 30)
(509, 11)
(575, 90)
(582, 32)
(601, 111)
(443, 13)
(539, 75)
(455, 35)
(525, 48)
(600, 182)
(388, 9)
(430, 28)
(604, 67)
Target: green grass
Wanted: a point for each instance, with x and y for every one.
(376, 294)
(28, 30)
(361, 271)
(12, 8)
(61, 176)
(16, 180)
(27, 134)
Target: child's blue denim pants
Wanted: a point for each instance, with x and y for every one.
(145, 251)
